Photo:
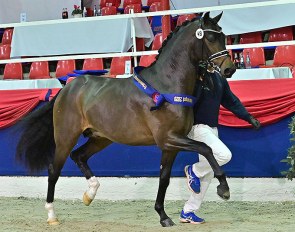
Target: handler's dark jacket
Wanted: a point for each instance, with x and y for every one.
(207, 108)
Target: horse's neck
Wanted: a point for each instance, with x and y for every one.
(174, 74)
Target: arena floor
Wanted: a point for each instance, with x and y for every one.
(28, 214)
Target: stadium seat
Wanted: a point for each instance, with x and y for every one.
(140, 46)
(39, 70)
(156, 21)
(150, 2)
(118, 65)
(129, 2)
(281, 34)
(257, 56)
(7, 36)
(186, 17)
(108, 10)
(147, 60)
(13, 71)
(104, 3)
(136, 8)
(64, 67)
(284, 56)
(5, 50)
(156, 6)
(70, 79)
(93, 64)
(229, 40)
(157, 42)
(253, 37)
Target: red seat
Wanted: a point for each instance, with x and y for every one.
(281, 34)
(129, 2)
(5, 50)
(115, 3)
(147, 60)
(93, 64)
(7, 36)
(140, 45)
(109, 10)
(156, 6)
(39, 70)
(13, 71)
(157, 42)
(150, 2)
(64, 67)
(284, 56)
(229, 40)
(118, 65)
(253, 37)
(256, 55)
(136, 8)
(186, 17)
(70, 79)
(156, 21)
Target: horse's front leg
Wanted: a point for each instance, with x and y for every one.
(186, 144)
(167, 161)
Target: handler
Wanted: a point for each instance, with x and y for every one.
(213, 90)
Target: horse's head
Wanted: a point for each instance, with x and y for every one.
(212, 45)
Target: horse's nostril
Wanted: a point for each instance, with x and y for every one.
(228, 72)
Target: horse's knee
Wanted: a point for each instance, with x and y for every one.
(206, 150)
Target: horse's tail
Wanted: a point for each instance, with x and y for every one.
(36, 145)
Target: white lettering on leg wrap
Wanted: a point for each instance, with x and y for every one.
(93, 186)
(50, 208)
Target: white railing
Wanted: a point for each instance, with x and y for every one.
(147, 14)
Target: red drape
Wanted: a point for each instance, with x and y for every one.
(268, 100)
(15, 104)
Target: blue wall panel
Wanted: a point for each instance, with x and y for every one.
(255, 154)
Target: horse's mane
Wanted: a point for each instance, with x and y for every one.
(171, 34)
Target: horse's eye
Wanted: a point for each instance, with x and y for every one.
(211, 37)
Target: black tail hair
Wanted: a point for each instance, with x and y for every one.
(36, 145)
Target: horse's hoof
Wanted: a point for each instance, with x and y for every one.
(167, 222)
(86, 199)
(53, 222)
(223, 192)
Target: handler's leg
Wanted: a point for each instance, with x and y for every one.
(202, 169)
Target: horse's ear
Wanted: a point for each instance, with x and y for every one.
(206, 16)
(217, 18)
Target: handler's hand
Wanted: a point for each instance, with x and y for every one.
(254, 122)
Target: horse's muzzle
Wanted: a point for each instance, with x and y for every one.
(228, 72)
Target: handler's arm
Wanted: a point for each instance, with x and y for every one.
(231, 102)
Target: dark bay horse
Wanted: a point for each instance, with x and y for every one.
(111, 110)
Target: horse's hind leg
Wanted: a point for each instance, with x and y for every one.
(63, 149)
(165, 173)
(81, 156)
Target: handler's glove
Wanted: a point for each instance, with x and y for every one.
(254, 122)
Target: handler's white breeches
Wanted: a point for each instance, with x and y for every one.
(202, 169)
